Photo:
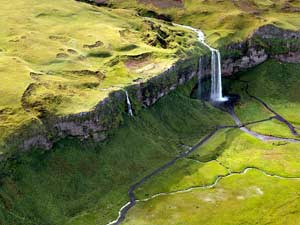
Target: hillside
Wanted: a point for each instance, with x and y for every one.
(224, 21)
(65, 58)
(117, 112)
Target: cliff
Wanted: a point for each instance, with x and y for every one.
(266, 42)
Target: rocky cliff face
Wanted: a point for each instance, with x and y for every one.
(108, 114)
(267, 42)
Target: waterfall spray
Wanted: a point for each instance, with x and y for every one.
(216, 70)
(128, 104)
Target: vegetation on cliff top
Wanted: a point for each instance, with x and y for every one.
(222, 21)
(64, 57)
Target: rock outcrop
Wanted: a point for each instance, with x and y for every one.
(266, 42)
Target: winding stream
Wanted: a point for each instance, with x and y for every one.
(217, 180)
(257, 135)
(277, 115)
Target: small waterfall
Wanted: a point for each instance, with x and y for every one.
(199, 74)
(216, 70)
(130, 112)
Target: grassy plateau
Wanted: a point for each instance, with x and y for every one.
(222, 21)
(64, 57)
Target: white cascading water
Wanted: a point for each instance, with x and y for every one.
(216, 70)
(130, 112)
(216, 77)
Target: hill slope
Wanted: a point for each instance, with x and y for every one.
(65, 57)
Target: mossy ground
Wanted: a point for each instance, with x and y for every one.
(65, 57)
(225, 21)
(251, 198)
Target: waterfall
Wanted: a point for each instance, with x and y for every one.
(216, 77)
(199, 89)
(128, 104)
(216, 70)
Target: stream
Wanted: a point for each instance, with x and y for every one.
(217, 180)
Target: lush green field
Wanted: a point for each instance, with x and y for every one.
(251, 198)
(277, 84)
(64, 57)
(85, 183)
(223, 21)
(236, 199)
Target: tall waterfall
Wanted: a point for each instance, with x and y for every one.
(216, 70)
(130, 112)
(216, 77)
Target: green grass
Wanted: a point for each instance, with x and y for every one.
(65, 57)
(184, 174)
(277, 85)
(234, 149)
(225, 21)
(249, 198)
(252, 198)
(86, 183)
